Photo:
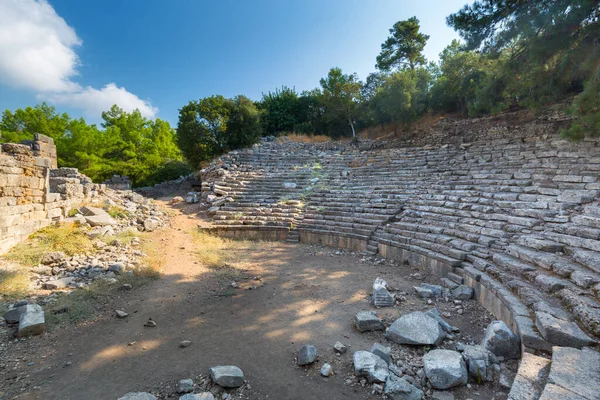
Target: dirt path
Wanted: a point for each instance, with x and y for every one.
(310, 296)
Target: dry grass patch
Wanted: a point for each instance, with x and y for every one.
(301, 138)
(14, 284)
(66, 238)
(217, 252)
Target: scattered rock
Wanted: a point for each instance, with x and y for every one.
(176, 200)
(227, 376)
(561, 332)
(138, 396)
(185, 386)
(400, 389)
(326, 370)
(368, 321)
(58, 283)
(53, 257)
(340, 347)
(150, 323)
(415, 328)
(382, 298)
(439, 395)
(198, 396)
(463, 292)
(370, 366)
(307, 355)
(479, 363)
(185, 343)
(434, 313)
(121, 314)
(13, 315)
(426, 290)
(151, 224)
(445, 369)
(501, 341)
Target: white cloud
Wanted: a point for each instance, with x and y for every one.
(37, 53)
(94, 101)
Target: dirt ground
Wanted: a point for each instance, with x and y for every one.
(306, 295)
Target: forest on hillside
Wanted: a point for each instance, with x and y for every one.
(513, 54)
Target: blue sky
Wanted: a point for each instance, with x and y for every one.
(155, 55)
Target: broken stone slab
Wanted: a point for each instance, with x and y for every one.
(289, 185)
(400, 389)
(197, 396)
(554, 392)
(577, 371)
(370, 366)
(13, 315)
(185, 386)
(61, 283)
(97, 216)
(227, 376)
(32, 321)
(415, 328)
(379, 283)
(53, 257)
(307, 355)
(479, 363)
(561, 332)
(382, 351)
(435, 314)
(382, 298)
(138, 396)
(426, 290)
(501, 341)
(445, 369)
(368, 321)
(463, 292)
(530, 379)
(192, 198)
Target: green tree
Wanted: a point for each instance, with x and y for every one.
(341, 96)
(244, 124)
(280, 111)
(23, 123)
(404, 48)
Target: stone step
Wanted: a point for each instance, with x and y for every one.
(574, 374)
(458, 279)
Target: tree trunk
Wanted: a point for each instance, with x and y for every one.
(352, 126)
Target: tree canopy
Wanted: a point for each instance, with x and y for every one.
(404, 48)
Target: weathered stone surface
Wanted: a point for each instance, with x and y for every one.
(368, 321)
(58, 283)
(370, 366)
(561, 332)
(379, 283)
(138, 396)
(97, 216)
(185, 386)
(307, 355)
(531, 378)
(445, 369)
(577, 371)
(382, 351)
(501, 341)
(32, 321)
(399, 389)
(13, 315)
(227, 376)
(463, 292)
(289, 185)
(426, 290)
(415, 328)
(554, 392)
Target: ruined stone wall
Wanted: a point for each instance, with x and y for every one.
(32, 192)
(118, 182)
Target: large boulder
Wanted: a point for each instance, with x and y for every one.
(463, 292)
(445, 369)
(307, 355)
(501, 341)
(368, 321)
(151, 224)
(53, 257)
(227, 376)
(370, 366)
(13, 315)
(399, 389)
(415, 328)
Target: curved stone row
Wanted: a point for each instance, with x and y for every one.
(517, 218)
